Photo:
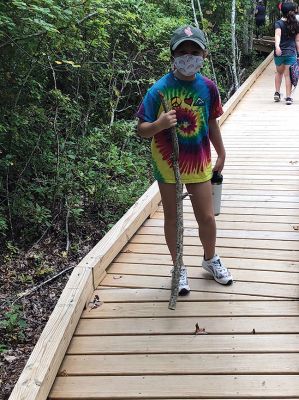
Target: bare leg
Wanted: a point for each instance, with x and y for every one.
(278, 77)
(168, 195)
(203, 210)
(287, 81)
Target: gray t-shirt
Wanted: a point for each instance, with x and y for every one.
(287, 43)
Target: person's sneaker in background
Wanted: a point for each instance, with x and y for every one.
(289, 100)
(276, 96)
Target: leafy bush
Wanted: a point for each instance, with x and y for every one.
(13, 325)
(72, 75)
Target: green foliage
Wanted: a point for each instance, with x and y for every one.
(3, 348)
(13, 324)
(72, 74)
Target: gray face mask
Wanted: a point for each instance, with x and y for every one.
(188, 64)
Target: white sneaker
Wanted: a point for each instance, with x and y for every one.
(220, 273)
(277, 97)
(184, 288)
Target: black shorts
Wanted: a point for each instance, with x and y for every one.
(259, 22)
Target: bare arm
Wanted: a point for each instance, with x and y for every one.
(297, 43)
(277, 41)
(216, 140)
(150, 129)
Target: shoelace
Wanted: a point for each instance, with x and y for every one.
(183, 274)
(221, 269)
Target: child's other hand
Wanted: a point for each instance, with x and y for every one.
(219, 165)
(167, 120)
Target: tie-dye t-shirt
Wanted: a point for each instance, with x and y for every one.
(195, 102)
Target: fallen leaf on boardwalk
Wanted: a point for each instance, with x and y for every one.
(63, 373)
(293, 162)
(199, 331)
(296, 227)
(117, 276)
(95, 303)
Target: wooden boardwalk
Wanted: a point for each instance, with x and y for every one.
(131, 346)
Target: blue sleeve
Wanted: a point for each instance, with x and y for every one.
(277, 25)
(149, 108)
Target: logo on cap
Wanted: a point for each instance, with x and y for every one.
(188, 31)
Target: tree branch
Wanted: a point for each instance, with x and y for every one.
(179, 214)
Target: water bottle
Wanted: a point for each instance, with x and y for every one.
(216, 181)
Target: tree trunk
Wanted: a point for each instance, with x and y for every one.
(251, 20)
(234, 46)
(197, 25)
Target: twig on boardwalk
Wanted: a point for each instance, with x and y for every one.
(179, 213)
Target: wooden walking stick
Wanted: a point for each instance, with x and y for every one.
(179, 213)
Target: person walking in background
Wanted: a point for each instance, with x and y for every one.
(286, 49)
(279, 6)
(281, 3)
(260, 17)
(195, 106)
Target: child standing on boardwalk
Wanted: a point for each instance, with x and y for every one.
(195, 106)
(286, 49)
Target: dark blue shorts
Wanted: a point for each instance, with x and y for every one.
(285, 60)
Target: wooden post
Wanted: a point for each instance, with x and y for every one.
(179, 214)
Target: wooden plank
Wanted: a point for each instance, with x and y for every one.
(111, 294)
(227, 227)
(163, 364)
(254, 203)
(291, 235)
(284, 195)
(235, 130)
(261, 198)
(40, 370)
(256, 145)
(293, 220)
(198, 272)
(210, 398)
(243, 186)
(205, 285)
(231, 144)
(194, 309)
(266, 254)
(288, 157)
(183, 344)
(131, 387)
(111, 244)
(241, 263)
(185, 326)
(292, 245)
(253, 211)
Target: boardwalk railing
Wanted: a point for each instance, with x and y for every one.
(38, 376)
